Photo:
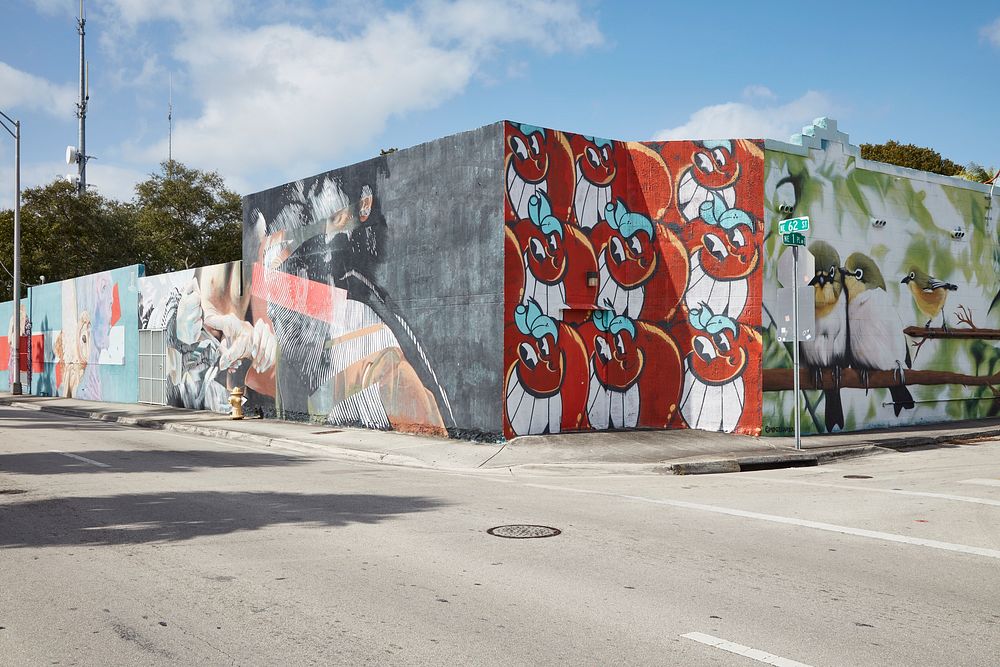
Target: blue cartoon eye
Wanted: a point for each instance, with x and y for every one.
(736, 238)
(528, 356)
(636, 245)
(606, 153)
(537, 249)
(543, 344)
(704, 163)
(534, 144)
(720, 157)
(520, 150)
(859, 274)
(617, 250)
(603, 349)
(721, 342)
(553, 243)
(592, 157)
(620, 344)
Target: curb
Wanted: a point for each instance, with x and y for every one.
(227, 434)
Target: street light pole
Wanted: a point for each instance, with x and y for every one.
(15, 345)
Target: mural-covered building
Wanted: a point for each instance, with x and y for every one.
(518, 280)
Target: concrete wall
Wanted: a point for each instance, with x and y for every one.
(6, 345)
(381, 286)
(209, 342)
(633, 284)
(909, 332)
(85, 336)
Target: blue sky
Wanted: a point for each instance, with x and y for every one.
(266, 92)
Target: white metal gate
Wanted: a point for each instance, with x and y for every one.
(153, 366)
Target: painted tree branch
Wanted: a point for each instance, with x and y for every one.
(955, 334)
(781, 379)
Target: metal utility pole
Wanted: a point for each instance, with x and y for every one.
(81, 107)
(15, 344)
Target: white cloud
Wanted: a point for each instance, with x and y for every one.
(745, 119)
(20, 90)
(757, 92)
(279, 99)
(991, 33)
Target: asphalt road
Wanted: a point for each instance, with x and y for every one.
(136, 547)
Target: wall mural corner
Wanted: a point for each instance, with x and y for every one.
(632, 283)
(907, 320)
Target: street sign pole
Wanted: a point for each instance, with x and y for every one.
(795, 344)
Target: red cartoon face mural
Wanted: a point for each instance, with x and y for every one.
(537, 160)
(722, 357)
(635, 373)
(544, 390)
(630, 310)
(556, 259)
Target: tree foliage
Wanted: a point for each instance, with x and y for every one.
(180, 217)
(187, 218)
(924, 159)
(912, 156)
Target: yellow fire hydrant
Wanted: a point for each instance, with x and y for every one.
(236, 400)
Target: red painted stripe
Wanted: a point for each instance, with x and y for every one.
(302, 295)
(37, 353)
(4, 353)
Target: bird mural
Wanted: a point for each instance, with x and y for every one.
(828, 349)
(875, 330)
(929, 294)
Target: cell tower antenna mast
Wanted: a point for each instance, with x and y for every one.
(81, 107)
(170, 126)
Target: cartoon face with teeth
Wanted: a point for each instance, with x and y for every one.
(594, 160)
(635, 373)
(643, 267)
(726, 250)
(537, 160)
(719, 355)
(548, 248)
(546, 383)
(714, 170)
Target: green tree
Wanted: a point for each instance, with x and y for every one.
(180, 218)
(187, 218)
(64, 235)
(909, 155)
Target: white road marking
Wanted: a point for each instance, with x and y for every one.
(899, 492)
(805, 523)
(740, 649)
(82, 458)
(981, 482)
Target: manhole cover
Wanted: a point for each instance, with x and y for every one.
(523, 531)
(11, 491)
(857, 476)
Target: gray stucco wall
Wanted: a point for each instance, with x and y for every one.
(414, 239)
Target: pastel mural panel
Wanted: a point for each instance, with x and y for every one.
(85, 336)
(210, 344)
(632, 283)
(906, 294)
(7, 346)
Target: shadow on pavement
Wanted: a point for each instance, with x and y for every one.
(125, 460)
(174, 517)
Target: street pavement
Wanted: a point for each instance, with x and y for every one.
(121, 545)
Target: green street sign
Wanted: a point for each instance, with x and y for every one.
(793, 225)
(793, 238)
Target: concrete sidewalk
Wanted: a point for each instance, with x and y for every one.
(636, 452)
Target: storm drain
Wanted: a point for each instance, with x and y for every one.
(857, 476)
(521, 531)
(12, 491)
